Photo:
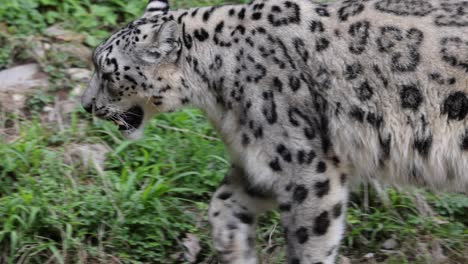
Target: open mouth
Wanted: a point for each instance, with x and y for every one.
(130, 120)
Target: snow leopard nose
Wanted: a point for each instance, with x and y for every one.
(88, 108)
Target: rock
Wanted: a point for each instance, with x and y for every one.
(48, 109)
(77, 92)
(68, 106)
(439, 220)
(16, 83)
(87, 155)
(79, 74)
(39, 50)
(82, 76)
(65, 35)
(390, 244)
(437, 253)
(65, 107)
(59, 113)
(3, 28)
(76, 50)
(344, 260)
(22, 77)
(18, 98)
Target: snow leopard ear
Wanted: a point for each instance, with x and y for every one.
(167, 36)
(156, 7)
(159, 44)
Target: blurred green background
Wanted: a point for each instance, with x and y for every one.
(73, 191)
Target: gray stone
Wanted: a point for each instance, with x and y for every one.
(390, 244)
(65, 35)
(22, 78)
(79, 74)
(18, 82)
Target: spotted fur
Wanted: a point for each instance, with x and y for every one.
(306, 97)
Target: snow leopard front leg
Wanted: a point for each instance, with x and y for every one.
(312, 205)
(233, 211)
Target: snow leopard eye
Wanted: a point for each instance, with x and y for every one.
(155, 54)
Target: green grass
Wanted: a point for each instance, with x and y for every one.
(136, 209)
(138, 205)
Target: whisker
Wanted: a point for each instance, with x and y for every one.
(127, 125)
(133, 114)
